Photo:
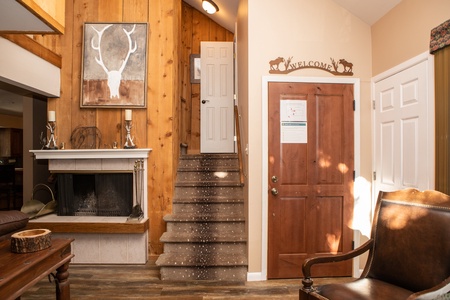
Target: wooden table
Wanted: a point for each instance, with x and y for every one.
(19, 272)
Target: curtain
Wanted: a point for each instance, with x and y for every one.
(440, 37)
(439, 42)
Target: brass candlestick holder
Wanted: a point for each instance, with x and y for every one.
(129, 140)
(51, 144)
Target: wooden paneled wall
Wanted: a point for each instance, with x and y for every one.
(166, 121)
(196, 27)
(156, 126)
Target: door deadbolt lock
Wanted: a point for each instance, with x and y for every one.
(274, 191)
(274, 179)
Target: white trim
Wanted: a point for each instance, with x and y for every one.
(265, 124)
(26, 70)
(255, 276)
(92, 153)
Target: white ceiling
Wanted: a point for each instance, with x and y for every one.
(226, 16)
(13, 17)
(368, 11)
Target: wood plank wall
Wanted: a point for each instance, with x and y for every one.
(156, 126)
(173, 112)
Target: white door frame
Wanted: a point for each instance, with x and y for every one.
(426, 56)
(265, 149)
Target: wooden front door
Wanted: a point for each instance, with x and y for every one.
(311, 167)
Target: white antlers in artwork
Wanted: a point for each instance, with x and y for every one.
(114, 76)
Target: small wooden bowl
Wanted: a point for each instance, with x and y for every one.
(31, 240)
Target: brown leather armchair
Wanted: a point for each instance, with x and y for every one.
(409, 252)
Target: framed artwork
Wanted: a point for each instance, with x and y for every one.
(114, 65)
(195, 68)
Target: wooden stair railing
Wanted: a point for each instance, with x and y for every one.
(238, 141)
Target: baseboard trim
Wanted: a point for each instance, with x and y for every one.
(255, 276)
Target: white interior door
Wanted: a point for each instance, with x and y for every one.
(404, 129)
(217, 101)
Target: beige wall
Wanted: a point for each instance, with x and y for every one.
(241, 36)
(307, 30)
(404, 32)
(318, 30)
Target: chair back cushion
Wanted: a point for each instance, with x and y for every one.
(411, 230)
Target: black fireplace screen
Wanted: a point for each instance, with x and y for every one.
(95, 194)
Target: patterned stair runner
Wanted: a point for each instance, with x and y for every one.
(205, 238)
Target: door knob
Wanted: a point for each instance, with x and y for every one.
(274, 191)
(204, 101)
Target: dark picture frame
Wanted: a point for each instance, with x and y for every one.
(195, 65)
(114, 65)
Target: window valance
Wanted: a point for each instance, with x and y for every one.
(440, 37)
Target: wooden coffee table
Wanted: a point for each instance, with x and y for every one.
(19, 272)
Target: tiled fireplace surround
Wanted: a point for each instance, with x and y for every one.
(99, 240)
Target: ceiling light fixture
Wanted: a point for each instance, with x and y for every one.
(210, 7)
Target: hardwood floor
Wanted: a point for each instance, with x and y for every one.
(142, 282)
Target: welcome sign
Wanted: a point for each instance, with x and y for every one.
(340, 67)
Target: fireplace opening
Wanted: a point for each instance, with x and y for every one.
(103, 194)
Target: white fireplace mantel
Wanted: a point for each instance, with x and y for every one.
(92, 153)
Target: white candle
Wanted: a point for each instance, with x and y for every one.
(127, 114)
(51, 116)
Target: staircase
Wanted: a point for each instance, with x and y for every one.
(205, 238)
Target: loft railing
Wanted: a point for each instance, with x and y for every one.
(238, 141)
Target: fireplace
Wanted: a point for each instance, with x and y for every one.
(103, 194)
(102, 203)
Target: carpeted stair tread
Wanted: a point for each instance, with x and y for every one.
(217, 199)
(206, 226)
(232, 273)
(208, 184)
(201, 260)
(194, 162)
(216, 209)
(216, 248)
(203, 218)
(209, 159)
(225, 168)
(208, 191)
(198, 237)
(209, 156)
(208, 176)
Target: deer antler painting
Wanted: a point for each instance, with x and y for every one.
(114, 65)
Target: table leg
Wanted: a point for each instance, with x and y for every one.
(62, 282)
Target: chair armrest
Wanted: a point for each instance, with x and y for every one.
(433, 293)
(308, 263)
